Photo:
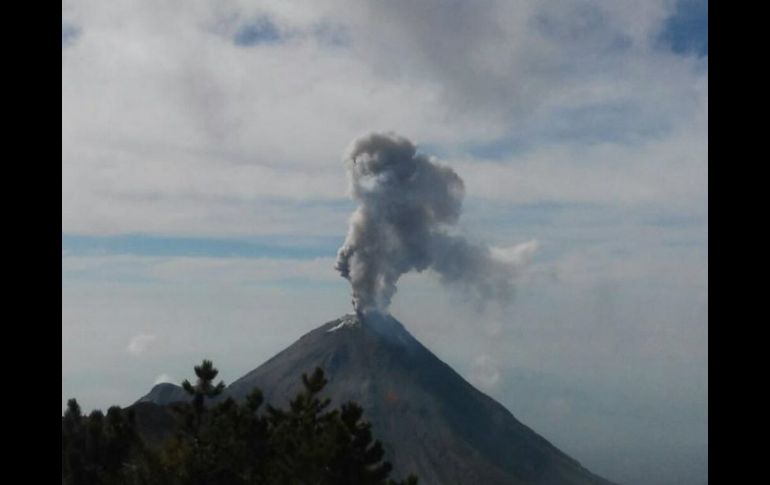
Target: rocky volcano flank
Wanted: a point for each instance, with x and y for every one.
(431, 421)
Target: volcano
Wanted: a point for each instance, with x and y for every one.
(431, 421)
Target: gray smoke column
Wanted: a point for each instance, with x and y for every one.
(408, 204)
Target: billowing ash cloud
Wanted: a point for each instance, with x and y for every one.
(408, 204)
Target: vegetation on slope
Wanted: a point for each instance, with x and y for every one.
(229, 443)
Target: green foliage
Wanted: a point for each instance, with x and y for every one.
(203, 388)
(312, 445)
(230, 443)
(99, 449)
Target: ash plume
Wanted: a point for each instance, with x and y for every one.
(408, 204)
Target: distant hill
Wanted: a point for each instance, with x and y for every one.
(165, 393)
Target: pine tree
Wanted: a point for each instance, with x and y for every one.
(73, 444)
(236, 437)
(203, 388)
(299, 447)
(309, 444)
(359, 457)
(99, 449)
(230, 443)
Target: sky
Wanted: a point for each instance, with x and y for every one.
(204, 198)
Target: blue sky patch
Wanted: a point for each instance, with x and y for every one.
(332, 35)
(498, 149)
(149, 245)
(260, 31)
(618, 122)
(686, 32)
(69, 33)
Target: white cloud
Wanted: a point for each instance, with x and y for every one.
(163, 378)
(170, 127)
(518, 255)
(139, 344)
(485, 372)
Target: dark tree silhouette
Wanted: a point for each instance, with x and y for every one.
(312, 445)
(99, 449)
(203, 388)
(229, 443)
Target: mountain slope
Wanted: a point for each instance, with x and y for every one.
(165, 393)
(431, 421)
